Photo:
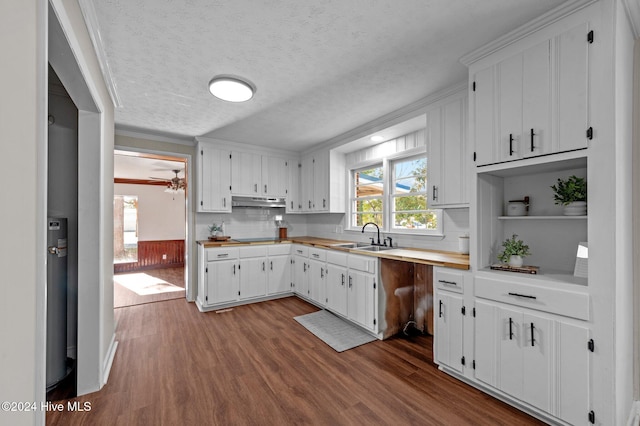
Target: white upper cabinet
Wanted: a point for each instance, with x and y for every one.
(213, 179)
(294, 202)
(258, 175)
(275, 176)
(532, 100)
(448, 158)
(323, 179)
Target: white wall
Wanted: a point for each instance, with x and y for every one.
(22, 258)
(161, 216)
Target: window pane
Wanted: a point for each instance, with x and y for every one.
(368, 182)
(373, 205)
(411, 202)
(410, 175)
(125, 229)
(359, 219)
(422, 221)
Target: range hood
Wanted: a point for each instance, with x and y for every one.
(258, 202)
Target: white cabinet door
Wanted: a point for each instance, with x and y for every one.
(275, 176)
(246, 173)
(337, 288)
(321, 181)
(253, 277)
(317, 281)
(448, 158)
(361, 298)
(573, 87)
(536, 101)
(214, 183)
(509, 95)
(294, 202)
(536, 361)
(278, 277)
(449, 330)
(510, 341)
(306, 190)
(573, 373)
(484, 118)
(300, 276)
(222, 279)
(485, 338)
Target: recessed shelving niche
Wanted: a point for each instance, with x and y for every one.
(552, 237)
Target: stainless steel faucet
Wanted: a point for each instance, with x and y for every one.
(378, 228)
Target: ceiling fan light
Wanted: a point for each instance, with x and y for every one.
(231, 89)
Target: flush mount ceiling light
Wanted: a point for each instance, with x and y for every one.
(377, 138)
(230, 88)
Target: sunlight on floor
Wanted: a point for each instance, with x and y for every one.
(144, 284)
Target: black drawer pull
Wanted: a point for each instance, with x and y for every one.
(448, 282)
(522, 295)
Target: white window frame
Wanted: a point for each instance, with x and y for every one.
(392, 195)
(387, 196)
(352, 193)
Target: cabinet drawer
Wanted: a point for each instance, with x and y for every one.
(301, 251)
(337, 258)
(253, 251)
(557, 301)
(317, 254)
(279, 249)
(221, 253)
(450, 281)
(362, 263)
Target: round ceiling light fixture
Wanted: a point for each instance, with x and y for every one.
(231, 88)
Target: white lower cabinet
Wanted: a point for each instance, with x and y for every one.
(317, 276)
(300, 263)
(253, 278)
(449, 313)
(538, 358)
(219, 276)
(449, 329)
(279, 271)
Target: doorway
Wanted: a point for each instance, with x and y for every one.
(150, 227)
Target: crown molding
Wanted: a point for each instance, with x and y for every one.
(91, 21)
(525, 30)
(135, 132)
(392, 118)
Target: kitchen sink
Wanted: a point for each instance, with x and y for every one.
(375, 248)
(351, 245)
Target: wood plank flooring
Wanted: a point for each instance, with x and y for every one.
(256, 365)
(122, 296)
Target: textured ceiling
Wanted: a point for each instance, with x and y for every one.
(321, 67)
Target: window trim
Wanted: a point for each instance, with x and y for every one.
(387, 197)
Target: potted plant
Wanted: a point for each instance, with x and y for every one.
(215, 230)
(514, 251)
(572, 194)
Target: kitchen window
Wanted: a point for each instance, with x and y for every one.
(368, 196)
(397, 200)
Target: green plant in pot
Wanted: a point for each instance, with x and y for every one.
(572, 194)
(514, 251)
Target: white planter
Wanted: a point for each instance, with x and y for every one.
(576, 208)
(516, 261)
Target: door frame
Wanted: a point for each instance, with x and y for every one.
(190, 288)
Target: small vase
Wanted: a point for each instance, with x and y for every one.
(516, 261)
(575, 208)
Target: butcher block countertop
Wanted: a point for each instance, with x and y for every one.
(447, 259)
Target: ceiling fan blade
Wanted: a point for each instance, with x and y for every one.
(162, 179)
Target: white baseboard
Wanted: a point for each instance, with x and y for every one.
(108, 362)
(634, 416)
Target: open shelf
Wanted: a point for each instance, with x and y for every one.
(542, 217)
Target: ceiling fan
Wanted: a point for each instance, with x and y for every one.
(174, 184)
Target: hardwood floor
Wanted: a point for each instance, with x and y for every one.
(123, 296)
(256, 365)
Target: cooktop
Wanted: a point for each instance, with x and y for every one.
(255, 240)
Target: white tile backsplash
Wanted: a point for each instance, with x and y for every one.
(260, 223)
